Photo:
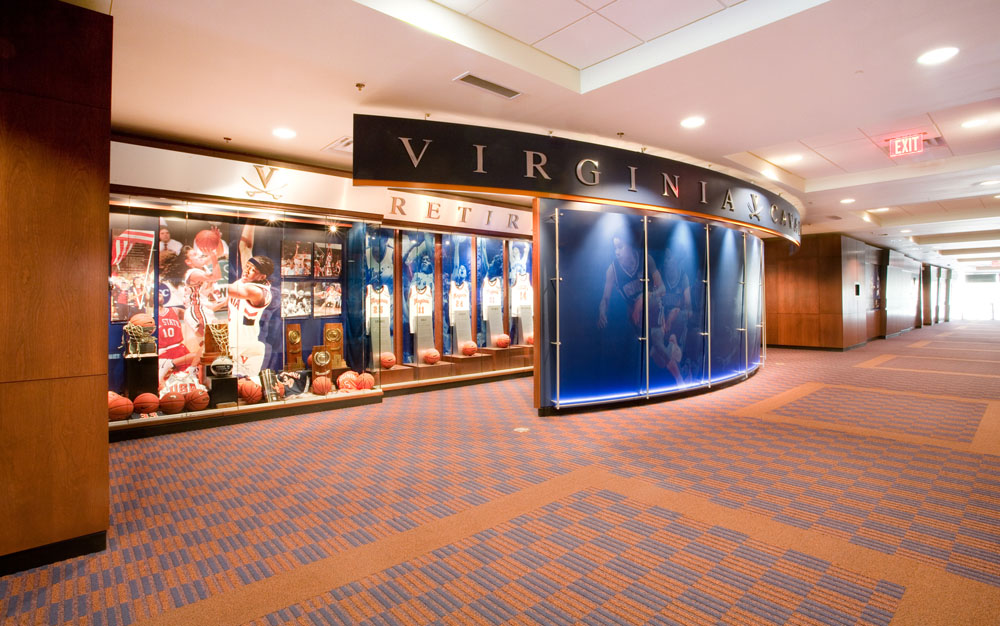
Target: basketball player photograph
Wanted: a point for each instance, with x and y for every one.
(248, 297)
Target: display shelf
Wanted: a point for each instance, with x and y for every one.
(396, 374)
(423, 371)
(295, 404)
(472, 364)
(500, 358)
(456, 381)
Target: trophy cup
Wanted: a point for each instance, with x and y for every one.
(221, 383)
(269, 383)
(141, 359)
(140, 340)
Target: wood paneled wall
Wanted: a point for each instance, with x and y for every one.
(55, 111)
(902, 293)
(823, 294)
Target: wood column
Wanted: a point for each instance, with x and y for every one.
(55, 112)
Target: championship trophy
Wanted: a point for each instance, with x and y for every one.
(140, 338)
(293, 339)
(269, 383)
(333, 340)
(221, 383)
(322, 361)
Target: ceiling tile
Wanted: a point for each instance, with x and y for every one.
(648, 19)
(985, 138)
(856, 156)
(811, 165)
(826, 139)
(529, 20)
(895, 128)
(595, 4)
(462, 6)
(588, 41)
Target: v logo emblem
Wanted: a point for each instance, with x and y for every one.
(264, 173)
(265, 178)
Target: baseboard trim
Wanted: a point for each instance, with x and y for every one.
(50, 553)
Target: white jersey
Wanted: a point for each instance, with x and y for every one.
(521, 294)
(378, 303)
(182, 382)
(421, 302)
(459, 300)
(492, 293)
(244, 318)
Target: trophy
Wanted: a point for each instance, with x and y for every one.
(222, 365)
(293, 339)
(140, 340)
(269, 383)
(333, 341)
(322, 361)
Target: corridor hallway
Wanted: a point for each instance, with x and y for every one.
(858, 487)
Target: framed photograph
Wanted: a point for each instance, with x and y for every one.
(326, 299)
(296, 299)
(326, 260)
(296, 258)
(130, 279)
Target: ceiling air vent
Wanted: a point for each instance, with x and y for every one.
(934, 142)
(344, 144)
(835, 218)
(482, 83)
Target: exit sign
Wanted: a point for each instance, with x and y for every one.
(909, 144)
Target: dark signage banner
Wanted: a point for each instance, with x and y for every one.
(403, 152)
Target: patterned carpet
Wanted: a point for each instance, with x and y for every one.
(853, 502)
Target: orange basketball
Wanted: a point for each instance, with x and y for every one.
(431, 356)
(112, 395)
(321, 385)
(119, 407)
(365, 381)
(146, 403)
(529, 339)
(347, 380)
(469, 348)
(207, 240)
(387, 360)
(144, 320)
(249, 391)
(196, 400)
(309, 360)
(501, 341)
(171, 402)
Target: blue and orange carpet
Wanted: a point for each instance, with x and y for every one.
(833, 488)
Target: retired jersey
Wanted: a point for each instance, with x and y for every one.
(378, 303)
(421, 302)
(492, 293)
(521, 294)
(458, 299)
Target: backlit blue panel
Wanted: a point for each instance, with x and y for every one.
(728, 347)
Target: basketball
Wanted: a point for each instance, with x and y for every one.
(321, 386)
(501, 340)
(119, 408)
(365, 381)
(146, 403)
(207, 240)
(144, 320)
(249, 391)
(387, 360)
(112, 395)
(347, 380)
(196, 400)
(469, 348)
(171, 402)
(309, 360)
(431, 356)
(529, 339)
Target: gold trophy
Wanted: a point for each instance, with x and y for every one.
(293, 338)
(333, 341)
(322, 361)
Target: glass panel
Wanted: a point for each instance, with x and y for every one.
(677, 304)
(418, 289)
(378, 299)
(726, 250)
(489, 279)
(521, 292)
(456, 269)
(601, 312)
(755, 289)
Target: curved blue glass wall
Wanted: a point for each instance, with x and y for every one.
(636, 306)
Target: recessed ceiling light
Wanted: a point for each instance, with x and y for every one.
(693, 122)
(882, 209)
(847, 201)
(284, 133)
(788, 160)
(938, 55)
(769, 173)
(974, 123)
(906, 230)
(866, 217)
